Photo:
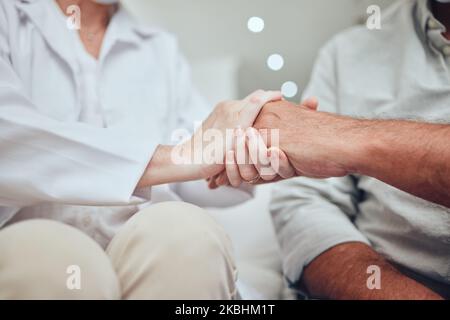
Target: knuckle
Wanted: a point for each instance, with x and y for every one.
(223, 105)
(266, 120)
(257, 96)
(258, 92)
(249, 174)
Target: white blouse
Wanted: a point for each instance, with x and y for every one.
(77, 133)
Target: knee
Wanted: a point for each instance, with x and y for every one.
(182, 246)
(177, 225)
(43, 259)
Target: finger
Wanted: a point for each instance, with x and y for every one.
(258, 155)
(252, 105)
(212, 183)
(265, 135)
(280, 163)
(262, 96)
(311, 103)
(232, 169)
(222, 179)
(247, 170)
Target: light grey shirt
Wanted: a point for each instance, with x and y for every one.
(401, 71)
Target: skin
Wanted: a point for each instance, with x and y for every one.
(317, 145)
(346, 279)
(94, 21)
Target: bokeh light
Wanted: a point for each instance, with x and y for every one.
(255, 24)
(275, 62)
(289, 89)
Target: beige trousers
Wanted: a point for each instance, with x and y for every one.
(170, 250)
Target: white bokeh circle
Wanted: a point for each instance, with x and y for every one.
(255, 24)
(289, 89)
(275, 62)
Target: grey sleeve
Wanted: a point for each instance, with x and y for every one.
(311, 216)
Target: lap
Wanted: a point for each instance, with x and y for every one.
(155, 252)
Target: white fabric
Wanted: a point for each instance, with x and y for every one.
(73, 134)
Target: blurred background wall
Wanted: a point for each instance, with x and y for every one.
(214, 36)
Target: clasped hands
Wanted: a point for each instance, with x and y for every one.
(274, 139)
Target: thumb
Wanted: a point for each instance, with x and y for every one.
(311, 103)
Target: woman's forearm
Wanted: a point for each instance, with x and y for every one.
(163, 168)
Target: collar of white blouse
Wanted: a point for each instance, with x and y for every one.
(122, 28)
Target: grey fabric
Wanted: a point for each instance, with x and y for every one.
(400, 71)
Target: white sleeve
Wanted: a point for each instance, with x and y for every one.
(44, 160)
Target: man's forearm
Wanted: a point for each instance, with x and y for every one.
(411, 156)
(341, 273)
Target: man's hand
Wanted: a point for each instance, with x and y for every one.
(252, 162)
(317, 144)
(411, 156)
(341, 273)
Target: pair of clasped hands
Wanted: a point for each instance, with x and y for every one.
(271, 139)
(251, 156)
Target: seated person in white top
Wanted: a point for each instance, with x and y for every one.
(86, 118)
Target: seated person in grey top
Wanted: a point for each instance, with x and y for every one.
(332, 231)
(383, 214)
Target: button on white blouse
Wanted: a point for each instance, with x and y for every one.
(77, 132)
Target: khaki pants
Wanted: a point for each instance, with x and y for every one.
(169, 251)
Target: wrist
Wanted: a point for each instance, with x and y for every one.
(169, 164)
(205, 157)
(354, 147)
(157, 162)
